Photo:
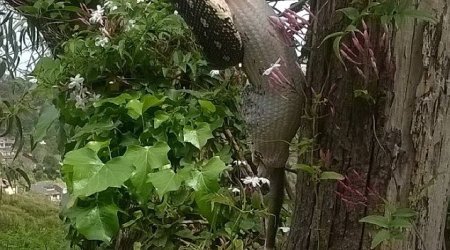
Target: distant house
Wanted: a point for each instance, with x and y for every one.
(52, 190)
(6, 146)
(6, 187)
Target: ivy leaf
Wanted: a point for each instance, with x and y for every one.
(199, 136)
(135, 108)
(376, 220)
(329, 175)
(118, 100)
(94, 128)
(381, 236)
(160, 118)
(151, 101)
(47, 116)
(90, 175)
(97, 222)
(207, 106)
(207, 180)
(145, 159)
(164, 181)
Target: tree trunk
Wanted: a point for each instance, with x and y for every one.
(395, 146)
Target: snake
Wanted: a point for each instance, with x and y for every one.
(240, 31)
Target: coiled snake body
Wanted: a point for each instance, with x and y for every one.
(271, 108)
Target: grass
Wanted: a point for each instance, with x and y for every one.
(29, 222)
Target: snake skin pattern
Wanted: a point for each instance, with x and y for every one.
(272, 101)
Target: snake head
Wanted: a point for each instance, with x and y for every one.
(212, 24)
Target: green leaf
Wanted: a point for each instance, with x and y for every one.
(376, 220)
(135, 108)
(90, 175)
(404, 213)
(382, 235)
(97, 145)
(337, 47)
(164, 181)
(151, 101)
(97, 222)
(329, 175)
(306, 168)
(335, 34)
(400, 223)
(207, 106)
(160, 118)
(419, 14)
(146, 159)
(198, 136)
(350, 12)
(94, 128)
(118, 100)
(47, 116)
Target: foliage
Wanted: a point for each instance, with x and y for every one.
(391, 225)
(142, 123)
(384, 11)
(30, 223)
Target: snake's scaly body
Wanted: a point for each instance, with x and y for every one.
(271, 109)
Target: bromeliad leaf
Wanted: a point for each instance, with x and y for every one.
(381, 236)
(376, 220)
(199, 136)
(90, 175)
(165, 181)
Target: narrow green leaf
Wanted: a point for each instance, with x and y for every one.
(329, 175)
(376, 220)
(306, 168)
(351, 13)
(382, 235)
(47, 117)
(404, 212)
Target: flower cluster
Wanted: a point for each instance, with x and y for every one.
(255, 181)
(289, 25)
(79, 93)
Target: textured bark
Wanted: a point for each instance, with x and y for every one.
(399, 146)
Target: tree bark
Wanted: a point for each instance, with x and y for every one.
(397, 147)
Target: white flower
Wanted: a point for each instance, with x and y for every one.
(76, 82)
(255, 181)
(97, 15)
(131, 24)
(33, 80)
(213, 73)
(234, 190)
(272, 67)
(128, 5)
(42, 143)
(101, 41)
(285, 229)
(140, 1)
(79, 101)
(110, 5)
(175, 12)
(264, 181)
